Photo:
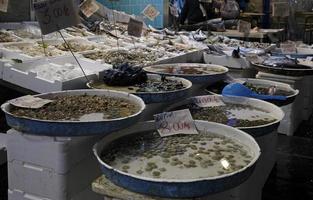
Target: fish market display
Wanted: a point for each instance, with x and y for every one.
(75, 107)
(184, 70)
(235, 115)
(272, 90)
(134, 80)
(36, 50)
(7, 37)
(178, 157)
(76, 46)
(124, 75)
(118, 57)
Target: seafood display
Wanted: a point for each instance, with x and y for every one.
(7, 37)
(178, 157)
(118, 57)
(184, 70)
(36, 50)
(76, 46)
(75, 107)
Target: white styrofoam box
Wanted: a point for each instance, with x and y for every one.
(291, 120)
(45, 182)
(227, 61)
(21, 74)
(57, 153)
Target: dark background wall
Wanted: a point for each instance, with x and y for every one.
(18, 10)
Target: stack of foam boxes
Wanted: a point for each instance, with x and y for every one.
(301, 108)
(50, 168)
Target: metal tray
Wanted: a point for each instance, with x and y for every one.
(94, 126)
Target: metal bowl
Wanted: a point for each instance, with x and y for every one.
(175, 188)
(255, 131)
(94, 125)
(216, 89)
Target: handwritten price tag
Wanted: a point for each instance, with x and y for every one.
(54, 15)
(29, 102)
(208, 101)
(89, 7)
(134, 27)
(173, 123)
(4, 5)
(151, 12)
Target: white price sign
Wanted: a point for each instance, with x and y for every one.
(89, 7)
(151, 12)
(54, 15)
(176, 122)
(29, 102)
(4, 5)
(208, 101)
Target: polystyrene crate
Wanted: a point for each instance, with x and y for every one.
(58, 153)
(20, 74)
(46, 183)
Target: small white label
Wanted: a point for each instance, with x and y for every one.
(176, 122)
(89, 7)
(151, 12)
(29, 101)
(288, 48)
(54, 15)
(4, 5)
(208, 101)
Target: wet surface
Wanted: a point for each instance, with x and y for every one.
(292, 177)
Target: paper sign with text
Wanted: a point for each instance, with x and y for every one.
(29, 101)
(89, 7)
(208, 101)
(54, 15)
(288, 48)
(135, 27)
(176, 122)
(4, 5)
(151, 12)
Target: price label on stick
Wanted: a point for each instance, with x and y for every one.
(208, 101)
(89, 7)
(54, 15)
(151, 12)
(29, 101)
(4, 5)
(176, 122)
(135, 27)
